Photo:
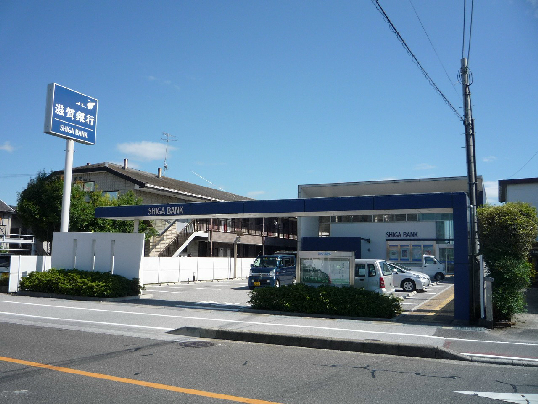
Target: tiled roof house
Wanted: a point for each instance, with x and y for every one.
(196, 237)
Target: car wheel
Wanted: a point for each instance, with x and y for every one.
(294, 281)
(439, 276)
(408, 285)
(277, 283)
(251, 287)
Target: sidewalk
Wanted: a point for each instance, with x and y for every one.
(427, 332)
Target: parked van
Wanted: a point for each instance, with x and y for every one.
(374, 275)
(430, 266)
(272, 270)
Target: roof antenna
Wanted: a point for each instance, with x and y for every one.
(167, 138)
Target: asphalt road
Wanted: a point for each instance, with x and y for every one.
(98, 367)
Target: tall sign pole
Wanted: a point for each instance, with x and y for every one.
(473, 192)
(72, 116)
(68, 176)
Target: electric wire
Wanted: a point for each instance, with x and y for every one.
(464, 24)
(470, 31)
(534, 155)
(410, 53)
(465, 29)
(433, 47)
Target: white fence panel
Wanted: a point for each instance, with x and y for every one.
(243, 267)
(169, 269)
(119, 253)
(205, 269)
(188, 269)
(23, 265)
(223, 268)
(149, 270)
(152, 269)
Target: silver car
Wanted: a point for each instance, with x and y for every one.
(409, 281)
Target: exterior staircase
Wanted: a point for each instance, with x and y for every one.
(174, 236)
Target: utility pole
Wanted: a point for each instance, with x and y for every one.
(468, 122)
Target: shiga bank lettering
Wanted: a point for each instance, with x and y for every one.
(165, 210)
(402, 234)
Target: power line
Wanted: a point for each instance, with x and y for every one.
(470, 31)
(465, 28)
(410, 53)
(534, 155)
(433, 47)
(464, 25)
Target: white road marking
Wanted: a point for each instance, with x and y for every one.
(265, 324)
(88, 321)
(506, 397)
(499, 357)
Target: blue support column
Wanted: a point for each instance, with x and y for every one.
(462, 281)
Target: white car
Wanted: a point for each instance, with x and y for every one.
(409, 281)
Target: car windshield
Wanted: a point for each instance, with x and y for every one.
(265, 262)
(385, 268)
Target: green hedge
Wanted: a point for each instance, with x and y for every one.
(343, 301)
(75, 282)
(4, 279)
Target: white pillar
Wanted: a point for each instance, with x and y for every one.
(68, 175)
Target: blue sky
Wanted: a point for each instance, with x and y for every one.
(262, 96)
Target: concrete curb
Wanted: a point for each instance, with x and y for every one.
(373, 347)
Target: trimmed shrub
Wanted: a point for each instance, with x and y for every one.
(4, 279)
(506, 235)
(331, 300)
(75, 282)
(512, 277)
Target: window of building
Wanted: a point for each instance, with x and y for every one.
(400, 217)
(324, 226)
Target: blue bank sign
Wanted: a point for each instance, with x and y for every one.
(70, 114)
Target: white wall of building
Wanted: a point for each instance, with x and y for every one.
(378, 233)
(307, 227)
(522, 192)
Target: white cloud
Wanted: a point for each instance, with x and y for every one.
(492, 191)
(144, 151)
(254, 194)
(168, 83)
(7, 147)
(489, 159)
(424, 166)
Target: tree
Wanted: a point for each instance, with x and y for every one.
(39, 206)
(82, 213)
(506, 234)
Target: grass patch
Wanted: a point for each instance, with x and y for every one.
(74, 282)
(343, 301)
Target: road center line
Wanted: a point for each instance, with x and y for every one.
(142, 383)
